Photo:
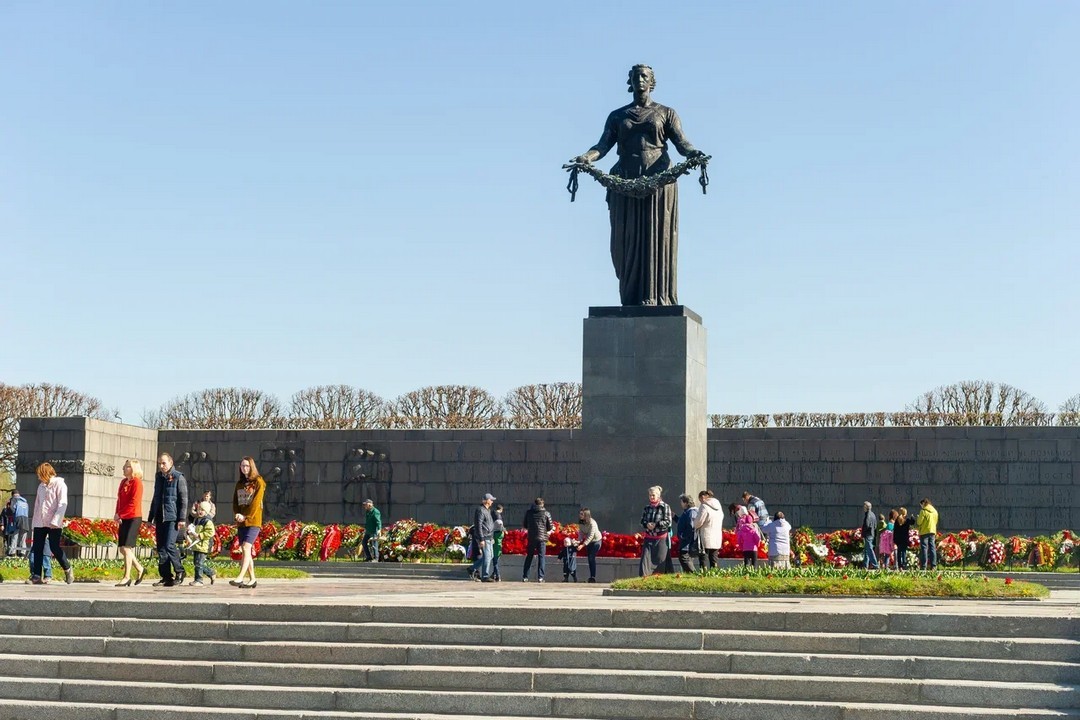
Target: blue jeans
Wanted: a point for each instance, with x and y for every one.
(371, 550)
(870, 558)
(483, 558)
(46, 564)
(168, 554)
(928, 552)
(202, 566)
(537, 548)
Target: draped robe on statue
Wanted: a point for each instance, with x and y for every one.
(644, 231)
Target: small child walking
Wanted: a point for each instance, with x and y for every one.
(204, 540)
(886, 542)
(568, 555)
(749, 539)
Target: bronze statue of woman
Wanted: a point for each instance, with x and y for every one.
(644, 230)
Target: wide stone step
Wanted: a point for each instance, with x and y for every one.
(517, 636)
(94, 700)
(50, 710)
(324, 678)
(709, 661)
(928, 622)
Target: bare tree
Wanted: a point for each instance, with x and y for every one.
(1069, 412)
(978, 402)
(336, 407)
(729, 421)
(219, 408)
(547, 405)
(446, 406)
(42, 400)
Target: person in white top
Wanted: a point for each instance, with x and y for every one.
(779, 534)
(710, 526)
(50, 504)
(589, 539)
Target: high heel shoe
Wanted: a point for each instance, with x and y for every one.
(142, 574)
(124, 584)
(249, 586)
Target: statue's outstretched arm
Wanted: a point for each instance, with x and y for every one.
(601, 148)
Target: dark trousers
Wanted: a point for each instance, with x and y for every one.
(592, 549)
(535, 548)
(38, 549)
(167, 552)
(685, 561)
(749, 557)
(655, 556)
(713, 557)
(901, 556)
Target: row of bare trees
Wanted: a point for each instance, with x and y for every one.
(967, 403)
(344, 407)
(547, 405)
(39, 400)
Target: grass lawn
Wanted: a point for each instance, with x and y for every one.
(833, 581)
(18, 569)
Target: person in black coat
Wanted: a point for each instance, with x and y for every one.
(901, 537)
(539, 525)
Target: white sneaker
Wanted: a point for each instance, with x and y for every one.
(197, 582)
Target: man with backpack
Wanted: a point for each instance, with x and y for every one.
(21, 508)
(758, 512)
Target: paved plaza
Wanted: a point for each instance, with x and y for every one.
(453, 593)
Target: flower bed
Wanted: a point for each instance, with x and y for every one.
(824, 580)
(410, 541)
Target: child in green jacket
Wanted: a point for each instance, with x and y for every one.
(204, 543)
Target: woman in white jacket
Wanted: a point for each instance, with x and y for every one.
(710, 526)
(50, 504)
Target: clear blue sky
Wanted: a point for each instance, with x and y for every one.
(278, 194)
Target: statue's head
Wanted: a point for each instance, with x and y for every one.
(640, 70)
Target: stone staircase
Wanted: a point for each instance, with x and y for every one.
(164, 658)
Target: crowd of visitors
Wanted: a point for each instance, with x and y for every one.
(698, 529)
(886, 539)
(169, 512)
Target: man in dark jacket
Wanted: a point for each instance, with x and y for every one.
(167, 512)
(539, 525)
(483, 530)
(689, 547)
(869, 536)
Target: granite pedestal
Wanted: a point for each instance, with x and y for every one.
(644, 410)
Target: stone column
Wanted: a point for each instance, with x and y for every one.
(644, 410)
(89, 454)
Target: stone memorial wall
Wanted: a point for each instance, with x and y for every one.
(1022, 480)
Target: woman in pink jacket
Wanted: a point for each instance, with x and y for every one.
(49, 507)
(746, 533)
